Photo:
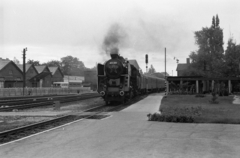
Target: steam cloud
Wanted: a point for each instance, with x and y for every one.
(115, 37)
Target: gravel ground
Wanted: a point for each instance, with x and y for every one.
(10, 122)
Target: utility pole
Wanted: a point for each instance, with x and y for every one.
(24, 70)
(165, 63)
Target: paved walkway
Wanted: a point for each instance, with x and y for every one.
(128, 134)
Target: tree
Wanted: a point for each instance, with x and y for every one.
(217, 21)
(209, 58)
(232, 59)
(72, 66)
(164, 74)
(16, 61)
(53, 63)
(151, 70)
(35, 63)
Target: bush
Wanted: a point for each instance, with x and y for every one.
(170, 118)
(214, 99)
(200, 95)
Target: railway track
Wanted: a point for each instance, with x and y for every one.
(9, 105)
(93, 113)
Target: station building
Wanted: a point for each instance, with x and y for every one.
(200, 84)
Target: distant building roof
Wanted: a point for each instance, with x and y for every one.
(3, 63)
(20, 66)
(53, 69)
(181, 67)
(40, 68)
(134, 63)
(40, 76)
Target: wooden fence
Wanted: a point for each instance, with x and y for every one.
(6, 92)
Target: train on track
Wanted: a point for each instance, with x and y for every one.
(120, 79)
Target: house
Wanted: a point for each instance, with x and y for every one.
(57, 75)
(182, 67)
(31, 72)
(73, 78)
(10, 74)
(43, 78)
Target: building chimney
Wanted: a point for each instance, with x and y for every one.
(188, 60)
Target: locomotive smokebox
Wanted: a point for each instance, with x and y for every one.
(114, 53)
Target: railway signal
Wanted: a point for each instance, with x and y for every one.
(146, 61)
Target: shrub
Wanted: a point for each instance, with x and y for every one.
(184, 115)
(214, 99)
(200, 95)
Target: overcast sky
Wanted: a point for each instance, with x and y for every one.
(52, 29)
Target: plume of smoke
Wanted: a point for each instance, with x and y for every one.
(115, 37)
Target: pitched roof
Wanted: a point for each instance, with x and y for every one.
(134, 63)
(40, 76)
(3, 63)
(40, 68)
(181, 67)
(53, 69)
(27, 66)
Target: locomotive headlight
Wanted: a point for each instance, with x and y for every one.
(121, 93)
(102, 93)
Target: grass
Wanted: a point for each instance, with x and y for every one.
(201, 109)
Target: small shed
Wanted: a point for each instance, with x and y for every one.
(10, 74)
(31, 71)
(43, 78)
(57, 75)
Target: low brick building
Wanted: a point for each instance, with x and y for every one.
(31, 72)
(181, 67)
(43, 78)
(57, 75)
(10, 74)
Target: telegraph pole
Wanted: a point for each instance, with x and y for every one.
(165, 63)
(24, 70)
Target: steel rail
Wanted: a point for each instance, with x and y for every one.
(18, 131)
(32, 104)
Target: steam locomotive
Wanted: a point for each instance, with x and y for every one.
(120, 79)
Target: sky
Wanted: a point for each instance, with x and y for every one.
(52, 29)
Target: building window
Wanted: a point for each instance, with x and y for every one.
(10, 72)
(1, 84)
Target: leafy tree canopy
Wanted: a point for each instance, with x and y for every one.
(34, 62)
(209, 58)
(72, 66)
(232, 59)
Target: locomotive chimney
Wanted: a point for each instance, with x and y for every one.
(188, 60)
(114, 53)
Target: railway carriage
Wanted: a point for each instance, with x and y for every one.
(120, 79)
